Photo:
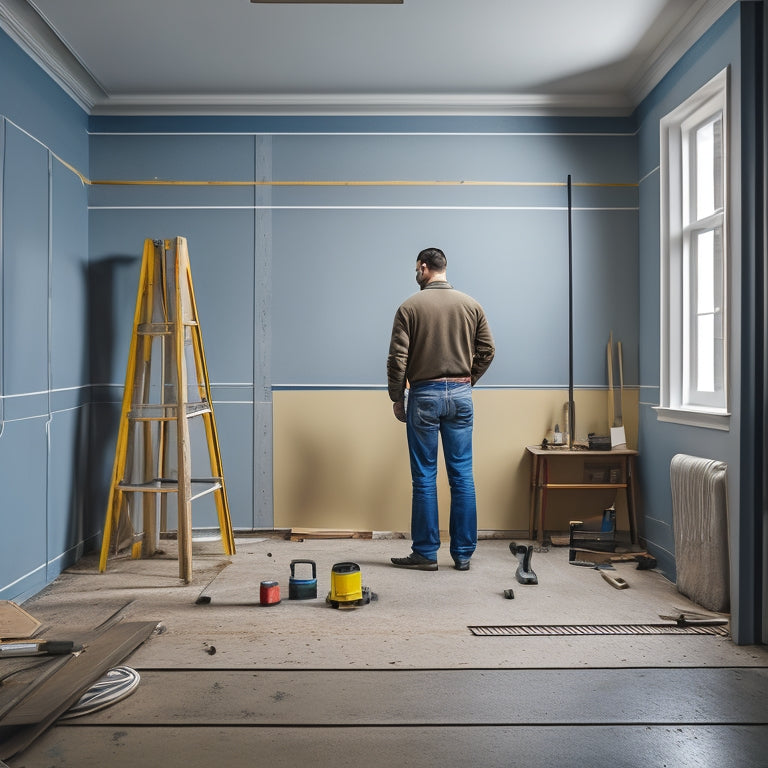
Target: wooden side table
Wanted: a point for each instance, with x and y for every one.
(541, 485)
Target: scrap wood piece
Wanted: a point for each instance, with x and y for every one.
(614, 557)
(299, 534)
(40, 709)
(700, 614)
(687, 616)
(690, 621)
(615, 581)
(15, 622)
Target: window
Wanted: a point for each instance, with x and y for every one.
(694, 288)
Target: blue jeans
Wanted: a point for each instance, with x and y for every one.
(441, 408)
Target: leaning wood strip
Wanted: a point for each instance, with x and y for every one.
(40, 709)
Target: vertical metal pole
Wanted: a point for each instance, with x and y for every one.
(571, 407)
(762, 256)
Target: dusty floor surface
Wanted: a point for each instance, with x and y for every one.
(402, 680)
(419, 619)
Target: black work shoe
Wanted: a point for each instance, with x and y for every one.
(415, 561)
(461, 565)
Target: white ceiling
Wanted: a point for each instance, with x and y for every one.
(424, 56)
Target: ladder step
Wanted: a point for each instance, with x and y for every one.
(201, 486)
(166, 411)
(161, 329)
(155, 329)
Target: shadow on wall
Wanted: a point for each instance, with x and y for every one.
(107, 279)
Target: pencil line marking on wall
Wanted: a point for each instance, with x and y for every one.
(24, 394)
(354, 208)
(649, 174)
(279, 387)
(27, 418)
(348, 183)
(26, 576)
(429, 134)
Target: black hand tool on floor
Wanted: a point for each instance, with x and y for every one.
(524, 573)
(38, 648)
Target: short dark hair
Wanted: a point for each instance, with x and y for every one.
(434, 258)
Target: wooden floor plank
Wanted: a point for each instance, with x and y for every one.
(483, 747)
(432, 697)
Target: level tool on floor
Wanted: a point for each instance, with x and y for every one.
(167, 422)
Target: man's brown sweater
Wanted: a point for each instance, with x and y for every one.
(438, 332)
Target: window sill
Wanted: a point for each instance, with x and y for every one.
(706, 419)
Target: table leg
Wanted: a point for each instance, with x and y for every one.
(544, 480)
(631, 501)
(533, 492)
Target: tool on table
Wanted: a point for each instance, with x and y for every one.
(598, 442)
(347, 588)
(39, 648)
(524, 573)
(302, 589)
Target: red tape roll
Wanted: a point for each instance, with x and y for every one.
(269, 593)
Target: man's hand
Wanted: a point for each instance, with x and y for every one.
(398, 409)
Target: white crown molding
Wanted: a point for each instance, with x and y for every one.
(699, 18)
(28, 29)
(366, 104)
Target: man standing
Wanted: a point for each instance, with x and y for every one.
(441, 345)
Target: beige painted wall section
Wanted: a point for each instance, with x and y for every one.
(341, 458)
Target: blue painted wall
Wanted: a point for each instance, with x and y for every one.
(338, 211)
(44, 361)
(717, 49)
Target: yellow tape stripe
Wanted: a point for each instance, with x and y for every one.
(74, 170)
(375, 183)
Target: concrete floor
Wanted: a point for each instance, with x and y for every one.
(401, 680)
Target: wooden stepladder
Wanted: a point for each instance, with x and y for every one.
(167, 410)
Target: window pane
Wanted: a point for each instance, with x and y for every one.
(705, 274)
(705, 369)
(708, 149)
(706, 292)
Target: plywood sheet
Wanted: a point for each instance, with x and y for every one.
(15, 622)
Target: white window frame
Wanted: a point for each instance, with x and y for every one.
(679, 400)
